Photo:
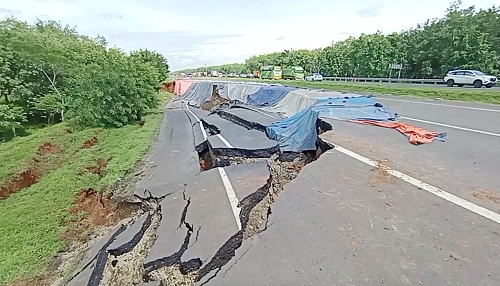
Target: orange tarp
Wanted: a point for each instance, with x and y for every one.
(181, 86)
(416, 135)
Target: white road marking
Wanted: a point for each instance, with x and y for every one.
(440, 104)
(452, 126)
(199, 122)
(424, 186)
(231, 195)
(228, 145)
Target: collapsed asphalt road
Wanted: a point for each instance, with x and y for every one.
(213, 215)
(211, 184)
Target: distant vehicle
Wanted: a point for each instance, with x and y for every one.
(214, 73)
(294, 73)
(256, 73)
(277, 72)
(243, 75)
(469, 77)
(266, 72)
(314, 77)
(250, 75)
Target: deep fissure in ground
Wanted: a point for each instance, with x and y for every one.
(255, 211)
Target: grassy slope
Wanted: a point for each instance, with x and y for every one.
(466, 94)
(31, 219)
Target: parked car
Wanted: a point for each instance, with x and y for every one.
(469, 77)
(314, 77)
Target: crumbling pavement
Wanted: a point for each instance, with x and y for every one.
(179, 238)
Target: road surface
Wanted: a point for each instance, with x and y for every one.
(495, 88)
(374, 210)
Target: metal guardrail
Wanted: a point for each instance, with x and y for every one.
(387, 80)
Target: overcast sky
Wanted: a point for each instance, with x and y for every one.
(192, 33)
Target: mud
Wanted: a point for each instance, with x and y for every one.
(48, 148)
(215, 101)
(19, 181)
(487, 195)
(91, 210)
(99, 168)
(90, 142)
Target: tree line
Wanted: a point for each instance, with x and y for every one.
(50, 73)
(463, 38)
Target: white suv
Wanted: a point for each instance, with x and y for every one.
(314, 77)
(469, 77)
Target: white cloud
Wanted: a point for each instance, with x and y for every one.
(197, 32)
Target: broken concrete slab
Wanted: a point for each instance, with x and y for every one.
(238, 136)
(193, 223)
(249, 118)
(93, 259)
(83, 277)
(171, 233)
(210, 214)
(175, 160)
(129, 238)
(247, 178)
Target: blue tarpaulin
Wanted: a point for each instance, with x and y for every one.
(268, 95)
(296, 133)
(353, 108)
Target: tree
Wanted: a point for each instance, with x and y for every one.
(11, 118)
(155, 59)
(463, 38)
(51, 104)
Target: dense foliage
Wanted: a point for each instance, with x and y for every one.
(463, 38)
(49, 72)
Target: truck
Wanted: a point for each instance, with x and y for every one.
(266, 72)
(214, 74)
(293, 73)
(277, 72)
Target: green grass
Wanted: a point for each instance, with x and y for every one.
(31, 220)
(482, 95)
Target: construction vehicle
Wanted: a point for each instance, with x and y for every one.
(277, 72)
(266, 72)
(293, 73)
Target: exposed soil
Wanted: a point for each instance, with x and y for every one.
(487, 195)
(215, 101)
(99, 168)
(380, 174)
(48, 148)
(93, 209)
(90, 142)
(168, 86)
(19, 181)
(39, 280)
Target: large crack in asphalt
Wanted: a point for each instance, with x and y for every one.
(125, 265)
(256, 207)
